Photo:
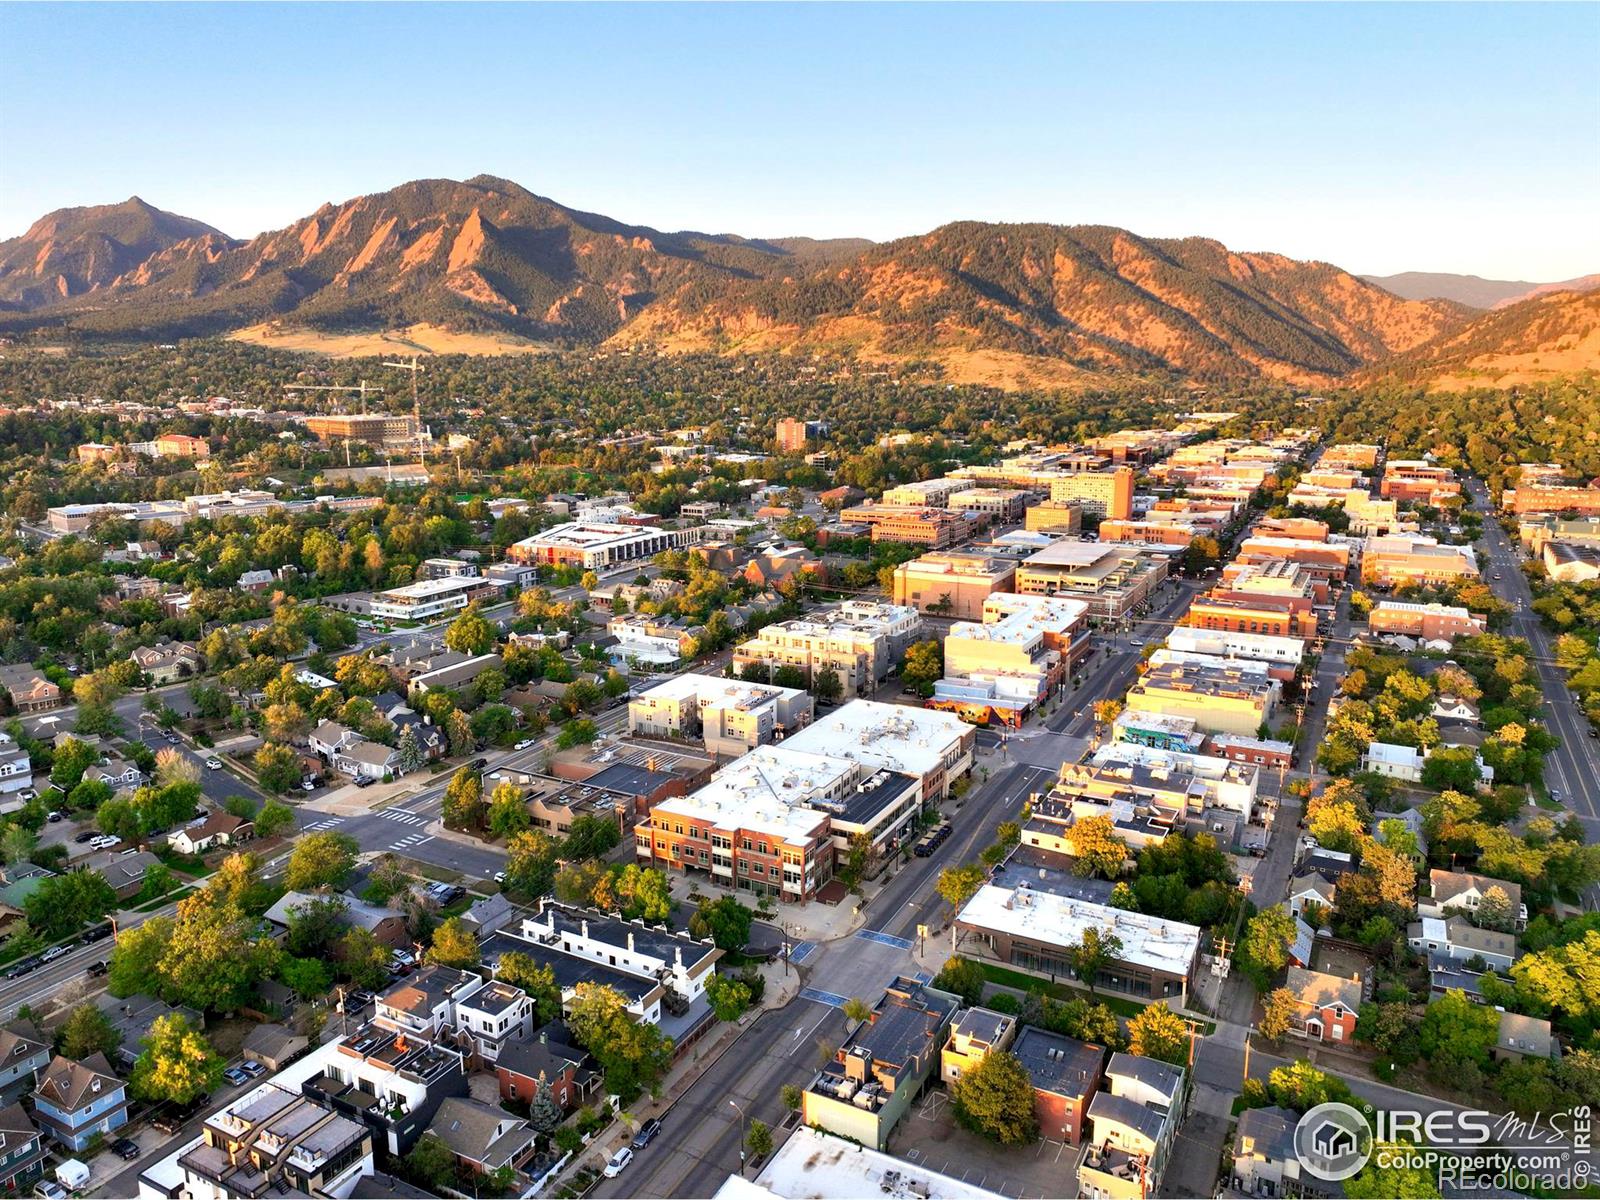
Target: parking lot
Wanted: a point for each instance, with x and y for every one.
(930, 1137)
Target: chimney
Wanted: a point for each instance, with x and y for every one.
(677, 956)
(584, 926)
(630, 941)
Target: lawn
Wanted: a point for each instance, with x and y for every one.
(1021, 981)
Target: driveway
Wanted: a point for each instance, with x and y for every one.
(930, 1137)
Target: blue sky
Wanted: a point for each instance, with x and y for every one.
(1379, 137)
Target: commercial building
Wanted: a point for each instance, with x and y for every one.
(933, 748)
(885, 1063)
(937, 528)
(1002, 506)
(1135, 1119)
(1223, 610)
(594, 546)
(1399, 559)
(1329, 561)
(1350, 456)
(1418, 480)
(1430, 622)
(428, 598)
(1114, 581)
(1218, 699)
(1281, 655)
(1539, 529)
(1063, 517)
(1571, 562)
(926, 493)
(859, 641)
(952, 584)
(1553, 498)
(1034, 931)
(813, 1165)
(729, 716)
(1005, 667)
(377, 429)
(1104, 493)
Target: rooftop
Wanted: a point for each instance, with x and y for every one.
(1058, 1064)
(1169, 946)
(812, 1165)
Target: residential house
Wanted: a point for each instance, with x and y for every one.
(973, 1034)
(390, 1081)
(494, 1015)
(487, 915)
(21, 1060)
(29, 690)
(386, 925)
(1522, 1037)
(274, 1046)
(255, 581)
(1310, 887)
(547, 1065)
(1454, 708)
(22, 1151)
(218, 829)
(167, 662)
(75, 1101)
(16, 774)
(115, 772)
(1457, 940)
(125, 873)
(134, 1016)
(1327, 1005)
(425, 1003)
(883, 1066)
(1134, 1119)
(1264, 1158)
(482, 1138)
(1394, 762)
(1065, 1074)
(330, 738)
(367, 760)
(1462, 892)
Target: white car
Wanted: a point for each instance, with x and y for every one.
(524, 743)
(617, 1162)
(500, 876)
(213, 764)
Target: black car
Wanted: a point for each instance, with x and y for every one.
(647, 1133)
(98, 969)
(98, 933)
(22, 967)
(477, 764)
(126, 1149)
(85, 836)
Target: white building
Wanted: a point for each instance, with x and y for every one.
(813, 1165)
(731, 716)
(426, 598)
(594, 546)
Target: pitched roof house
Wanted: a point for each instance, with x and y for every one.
(74, 1101)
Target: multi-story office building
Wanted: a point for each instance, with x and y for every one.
(1034, 931)
(1005, 667)
(1418, 480)
(429, 598)
(1063, 517)
(1548, 497)
(936, 528)
(926, 493)
(860, 641)
(954, 584)
(792, 434)
(1394, 560)
(932, 747)
(1105, 493)
(595, 546)
(1002, 506)
(378, 429)
(1329, 561)
(1219, 699)
(1351, 456)
(1112, 580)
(1280, 655)
(730, 716)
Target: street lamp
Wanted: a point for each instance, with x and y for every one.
(742, 1119)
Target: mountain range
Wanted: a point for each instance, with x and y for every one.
(1001, 303)
(1472, 290)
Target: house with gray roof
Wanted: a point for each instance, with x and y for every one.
(482, 1138)
(1066, 1076)
(1135, 1118)
(388, 926)
(1522, 1037)
(1264, 1158)
(21, 1060)
(1461, 892)
(1457, 939)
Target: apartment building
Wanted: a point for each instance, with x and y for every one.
(974, 1035)
(1135, 1119)
(1399, 559)
(424, 1004)
(933, 748)
(1005, 667)
(1419, 481)
(595, 546)
(1350, 456)
(1105, 493)
(1328, 561)
(860, 641)
(952, 583)
(882, 1068)
(377, 429)
(937, 528)
(1219, 699)
(729, 716)
(792, 434)
(1430, 622)
(1034, 931)
(1114, 581)
(1551, 498)
(1002, 506)
(1065, 1073)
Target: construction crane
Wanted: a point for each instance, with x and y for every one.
(364, 387)
(416, 369)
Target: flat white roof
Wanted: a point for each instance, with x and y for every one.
(715, 688)
(768, 790)
(428, 589)
(812, 1165)
(588, 535)
(1445, 610)
(1052, 920)
(912, 741)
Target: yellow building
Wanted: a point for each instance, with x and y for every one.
(952, 583)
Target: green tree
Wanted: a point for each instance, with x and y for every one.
(320, 859)
(725, 921)
(314, 925)
(531, 863)
(827, 685)
(136, 958)
(1093, 953)
(1158, 1032)
(432, 1164)
(1096, 848)
(758, 1140)
(957, 885)
(273, 819)
(1455, 1031)
(454, 945)
(923, 666)
(1265, 948)
(177, 1063)
(1278, 1012)
(87, 1031)
(463, 800)
(508, 812)
(996, 1099)
(308, 978)
(856, 1010)
(961, 977)
(277, 767)
(364, 958)
(409, 756)
(1386, 1175)
(471, 633)
(729, 997)
(634, 1056)
(537, 979)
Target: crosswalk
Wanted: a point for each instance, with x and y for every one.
(411, 840)
(403, 817)
(322, 826)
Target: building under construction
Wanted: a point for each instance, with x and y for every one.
(378, 429)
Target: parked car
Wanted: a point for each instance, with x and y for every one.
(524, 744)
(53, 817)
(53, 953)
(235, 1076)
(307, 785)
(213, 764)
(252, 1068)
(647, 1133)
(617, 1162)
(363, 781)
(49, 1189)
(499, 876)
(97, 932)
(88, 835)
(172, 739)
(355, 1001)
(174, 1117)
(21, 967)
(98, 969)
(126, 1149)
